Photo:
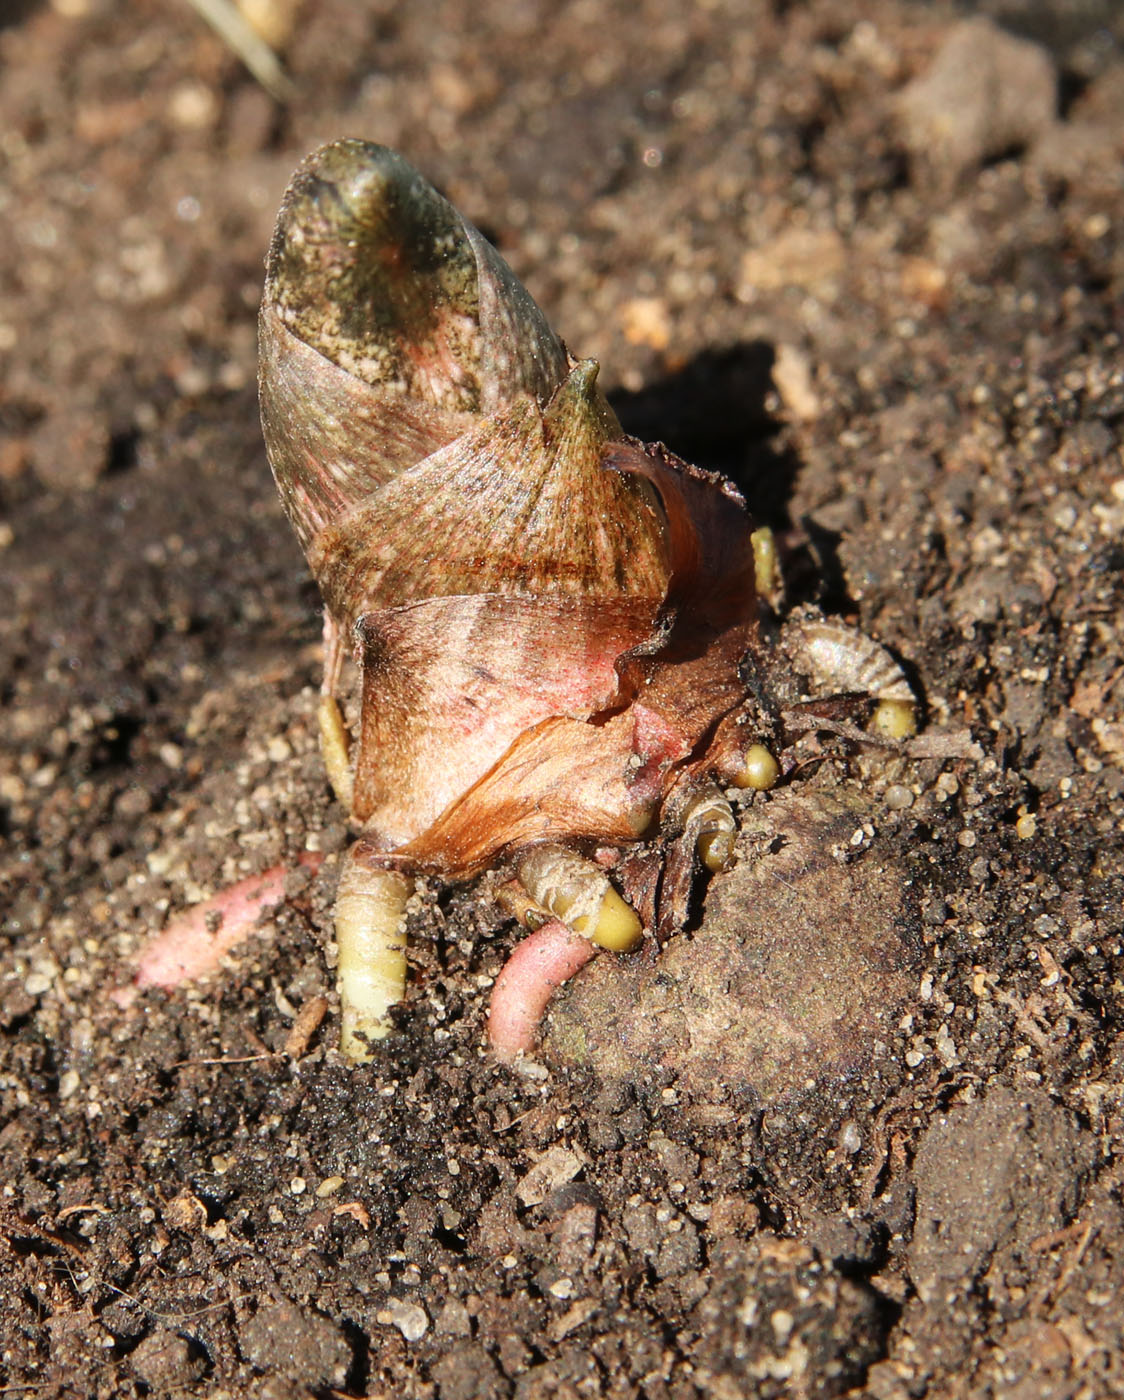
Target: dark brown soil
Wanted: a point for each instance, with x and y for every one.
(896, 321)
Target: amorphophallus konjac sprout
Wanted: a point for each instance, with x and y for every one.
(552, 622)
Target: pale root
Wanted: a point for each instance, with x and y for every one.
(766, 567)
(370, 925)
(334, 748)
(197, 940)
(538, 966)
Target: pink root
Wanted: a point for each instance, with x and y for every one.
(187, 949)
(530, 977)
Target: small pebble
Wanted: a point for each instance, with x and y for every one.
(850, 1139)
(171, 756)
(279, 749)
(946, 1048)
(782, 1323)
(193, 107)
(645, 321)
(411, 1319)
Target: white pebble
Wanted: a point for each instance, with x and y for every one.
(411, 1319)
(850, 1139)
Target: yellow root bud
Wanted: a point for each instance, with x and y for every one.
(712, 819)
(894, 719)
(334, 748)
(766, 569)
(618, 927)
(716, 850)
(578, 892)
(370, 922)
(760, 770)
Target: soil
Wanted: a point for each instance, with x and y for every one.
(879, 281)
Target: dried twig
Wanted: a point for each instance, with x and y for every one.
(232, 28)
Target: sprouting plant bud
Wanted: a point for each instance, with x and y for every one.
(578, 892)
(549, 620)
(840, 660)
(708, 820)
(894, 719)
